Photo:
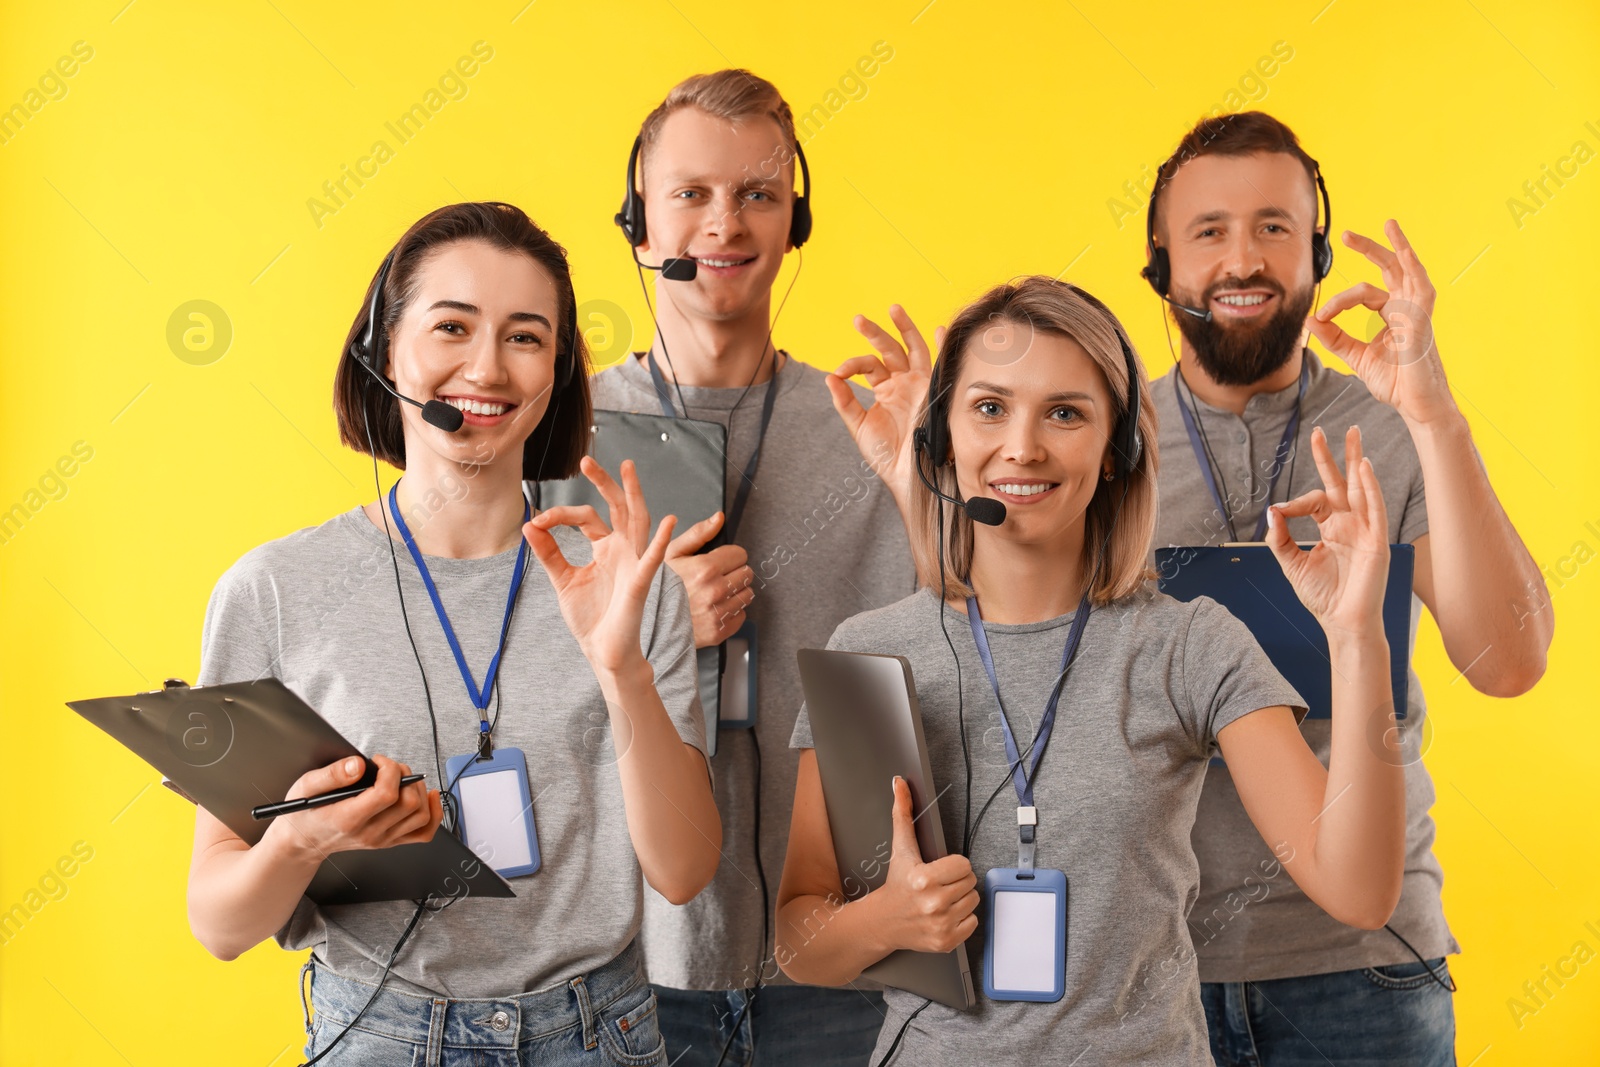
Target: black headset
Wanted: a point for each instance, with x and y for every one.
(1127, 444)
(1158, 272)
(631, 217)
(371, 348)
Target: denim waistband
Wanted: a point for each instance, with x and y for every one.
(476, 1022)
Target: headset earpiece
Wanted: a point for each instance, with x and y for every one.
(1321, 255)
(1321, 245)
(1158, 272)
(933, 436)
(631, 217)
(800, 220)
(1127, 442)
(1158, 268)
(372, 346)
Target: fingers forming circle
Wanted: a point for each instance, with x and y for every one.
(1401, 332)
(583, 517)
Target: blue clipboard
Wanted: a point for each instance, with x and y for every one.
(1247, 580)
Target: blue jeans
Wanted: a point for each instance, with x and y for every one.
(786, 1026)
(607, 1016)
(1373, 1017)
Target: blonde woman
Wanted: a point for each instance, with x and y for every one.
(1044, 628)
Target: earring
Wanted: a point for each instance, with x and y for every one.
(1107, 475)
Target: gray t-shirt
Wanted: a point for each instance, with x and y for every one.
(1247, 928)
(1154, 682)
(825, 541)
(318, 609)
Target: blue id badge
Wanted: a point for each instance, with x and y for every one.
(737, 708)
(495, 810)
(1025, 955)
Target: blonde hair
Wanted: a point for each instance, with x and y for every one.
(1050, 306)
(732, 95)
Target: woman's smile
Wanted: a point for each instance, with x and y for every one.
(1023, 491)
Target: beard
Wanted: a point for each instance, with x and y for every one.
(1243, 353)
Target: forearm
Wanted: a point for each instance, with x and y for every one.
(666, 790)
(1357, 854)
(1489, 598)
(239, 897)
(822, 940)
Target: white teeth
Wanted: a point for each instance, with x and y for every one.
(477, 407)
(1242, 301)
(1021, 490)
(720, 262)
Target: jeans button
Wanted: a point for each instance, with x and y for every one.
(499, 1020)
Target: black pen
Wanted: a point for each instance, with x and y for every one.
(289, 807)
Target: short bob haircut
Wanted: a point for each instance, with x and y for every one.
(1058, 308)
(561, 439)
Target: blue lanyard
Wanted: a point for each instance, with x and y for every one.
(1278, 459)
(746, 479)
(1023, 780)
(479, 697)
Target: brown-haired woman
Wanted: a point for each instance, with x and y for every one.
(583, 673)
(1033, 384)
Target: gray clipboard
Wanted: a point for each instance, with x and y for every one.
(866, 725)
(231, 747)
(682, 470)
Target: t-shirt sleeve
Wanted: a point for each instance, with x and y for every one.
(235, 646)
(1400, 474)
(236, 643)
(1414, 513)
(1226, 676)
(801, 738)
(672, 658)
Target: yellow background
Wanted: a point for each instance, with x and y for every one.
(178, 165)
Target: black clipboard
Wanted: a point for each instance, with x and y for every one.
(1247, 580)
(682, 470)
(231, 747)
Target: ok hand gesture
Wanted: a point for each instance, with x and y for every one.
(603, 601)
(1341, 580)
(898, 375)
(1401, 365)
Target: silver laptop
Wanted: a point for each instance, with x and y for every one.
(867, 727)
